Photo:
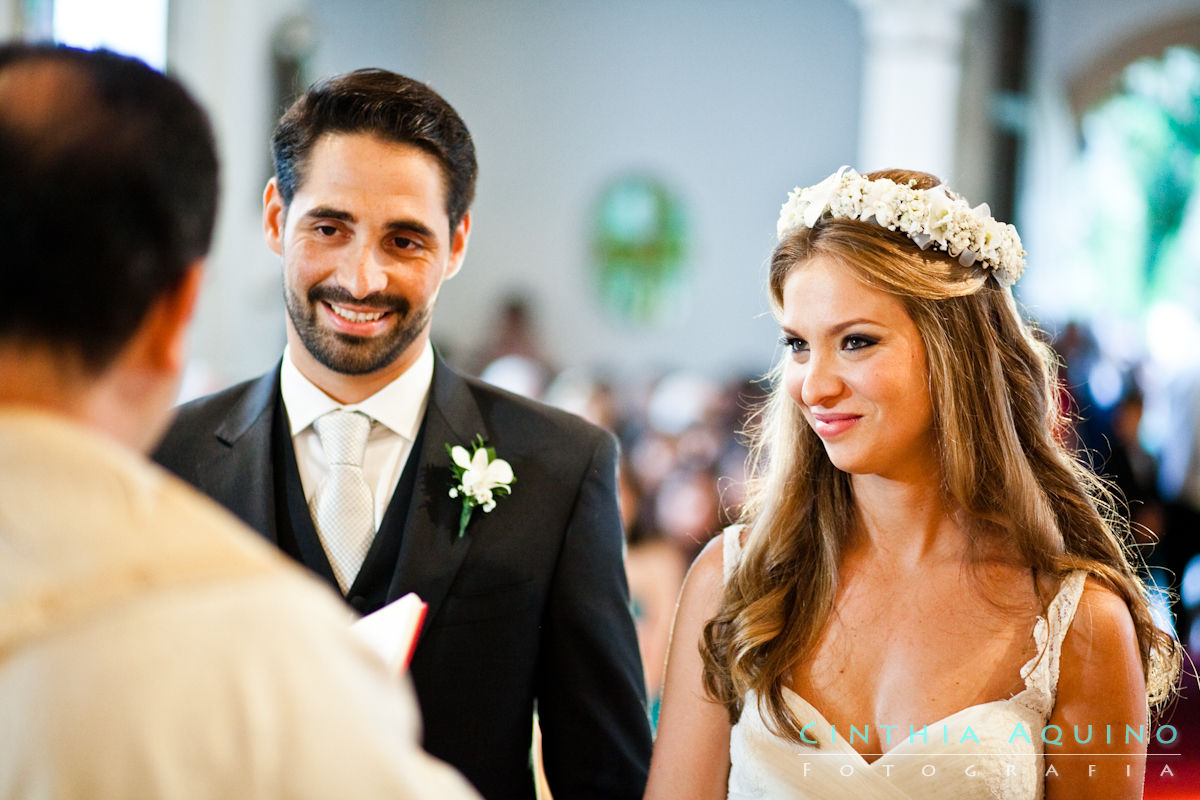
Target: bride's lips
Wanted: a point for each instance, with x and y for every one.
(829, 425)
(356, 320)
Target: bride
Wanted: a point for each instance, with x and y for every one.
(927, 596)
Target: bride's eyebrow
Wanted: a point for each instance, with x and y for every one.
(836, 328)
(850, 323)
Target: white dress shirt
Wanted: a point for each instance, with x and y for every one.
(396, 412)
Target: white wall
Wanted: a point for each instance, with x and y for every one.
(732, 103)
(221, 50)
(1071, 33)
(8, 18)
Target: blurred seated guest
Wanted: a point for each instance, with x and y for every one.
(578, 391)
(511, 334)
(919, 553)
(655, 567)
(517, 374)
(1089, 419)
(687, 509)
(1178, 405)
(682, 400)
(1132, 468)
(150, 645)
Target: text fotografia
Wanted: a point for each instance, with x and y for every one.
(971, 770)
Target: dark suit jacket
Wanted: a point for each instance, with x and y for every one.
(530, 605)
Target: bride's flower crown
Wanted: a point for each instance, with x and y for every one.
(936, 217)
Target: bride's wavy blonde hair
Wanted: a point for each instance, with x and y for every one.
(998, 424)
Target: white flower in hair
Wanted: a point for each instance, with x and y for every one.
(824, 194)
(934, 217)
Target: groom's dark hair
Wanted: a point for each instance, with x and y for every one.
(381, 103)
(108, 185)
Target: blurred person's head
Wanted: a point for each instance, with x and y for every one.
(630, 496)
(687, 509)
(1127, 414)
(108, 174)
(680, 400)
(587, 395)
(518, 374)
(652, 456)
(369, 209)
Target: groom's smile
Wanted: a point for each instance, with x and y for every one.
(373, 315)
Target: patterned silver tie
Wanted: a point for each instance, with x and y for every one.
(343, 509)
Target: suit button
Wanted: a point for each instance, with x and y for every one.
(360, 603)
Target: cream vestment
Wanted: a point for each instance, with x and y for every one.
(152, 647)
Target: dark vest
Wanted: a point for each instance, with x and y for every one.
(372, 589)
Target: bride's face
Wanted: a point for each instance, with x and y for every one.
(858, 371)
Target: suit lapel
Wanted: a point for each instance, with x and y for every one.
(246, 486)
(431, 551)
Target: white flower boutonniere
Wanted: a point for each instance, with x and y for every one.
(480, 478)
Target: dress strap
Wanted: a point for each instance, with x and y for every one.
(1041, 672)
(1062, 607)
(731, 548)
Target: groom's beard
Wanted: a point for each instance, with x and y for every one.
(354, 355)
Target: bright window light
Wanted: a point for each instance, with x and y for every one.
(132, 27)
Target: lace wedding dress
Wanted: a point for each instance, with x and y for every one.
(990, 750)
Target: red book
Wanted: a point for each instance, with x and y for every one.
(392, 631)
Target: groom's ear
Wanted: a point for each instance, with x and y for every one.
(274, 216)
(458, 246)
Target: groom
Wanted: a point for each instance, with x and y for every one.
(369, 209)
